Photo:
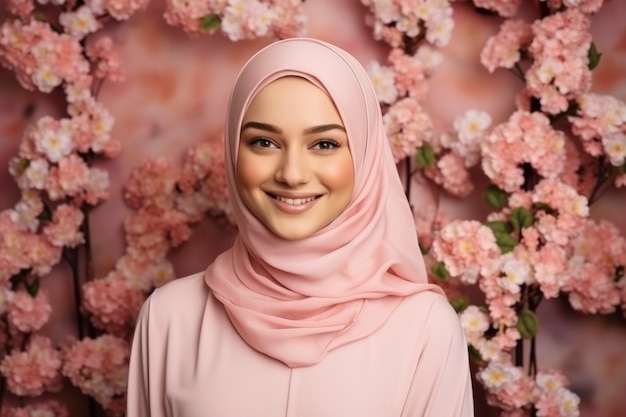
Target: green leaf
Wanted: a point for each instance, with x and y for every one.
(521, 218)
(425, 156)
(459, 303)
(496, 197)
(40, 17)
(440, 272)
(545, 207)
(505, 242)
(622, 169)
(45, 215)
(498, 226)
(210, 22)
(594, 56)
(527, 324)
(475, 355)
(33, 288)
(18, 278)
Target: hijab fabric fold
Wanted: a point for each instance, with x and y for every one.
(297, 300)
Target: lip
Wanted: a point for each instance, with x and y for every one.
(292, 203)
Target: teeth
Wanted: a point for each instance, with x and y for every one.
(294, 201)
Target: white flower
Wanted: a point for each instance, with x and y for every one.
(37, 173)
(46, 78)
(429, 57)
(474, 321)
(79, 23)
(549, 69)
(472, 125)
(76, 92)
(568, 403)
(386, 10)
(440, 31)
(497, 374)
(54, 144)
(383, 80)
(516, 272)
(615, 148)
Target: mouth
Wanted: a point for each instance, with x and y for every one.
(298, 201)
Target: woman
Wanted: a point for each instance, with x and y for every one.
(322, 306)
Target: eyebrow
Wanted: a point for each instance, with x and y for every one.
(275, 129)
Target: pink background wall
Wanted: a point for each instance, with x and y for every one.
(175, 95)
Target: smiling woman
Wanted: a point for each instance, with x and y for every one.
(322, 306)
(294, 168)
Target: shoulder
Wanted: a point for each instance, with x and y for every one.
(430, 304)
(433, 315)
(178, 298)
(185, 286)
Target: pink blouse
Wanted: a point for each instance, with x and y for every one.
(189, 361)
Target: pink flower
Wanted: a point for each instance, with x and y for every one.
(106, 62)
(152, 183)
(408, 127)
(113, 305)
(598, 251)
(28, 313)
(503, 49)
(34, 371)
(467, 248)
(409, 74)
(99, 368)
(48, 408)
(203, 182)
(123, 9)
(72, 174)
(141, 272)
(550, 267)
(21, 8)
(451, 173)
(79, 23)
(64, 230)
(524, 138)
(560, 70)
(505, 8)
(40, 57)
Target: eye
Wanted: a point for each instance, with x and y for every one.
(261, 142)
(326, 145)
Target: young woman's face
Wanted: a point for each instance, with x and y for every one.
(294, 169)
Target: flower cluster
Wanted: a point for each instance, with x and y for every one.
(167, 201)
(411, 28)
(47, 51)
(526, 138)
(48, 408)
(600, 124)
(237, 19)
(393, 20)
(515, 393)
(35, 370)
(99, 368)
(40, 57)
(539, 243)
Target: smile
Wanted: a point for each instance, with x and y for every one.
(294, 201)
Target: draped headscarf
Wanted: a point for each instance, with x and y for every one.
(297, 300)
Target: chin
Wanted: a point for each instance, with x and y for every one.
(293, 235)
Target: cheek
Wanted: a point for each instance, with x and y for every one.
(247, 174)
(340, 175)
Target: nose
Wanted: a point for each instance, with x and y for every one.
(294, 168)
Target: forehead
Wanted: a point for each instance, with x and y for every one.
(292, 97)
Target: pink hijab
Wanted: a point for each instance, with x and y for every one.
(295, 301)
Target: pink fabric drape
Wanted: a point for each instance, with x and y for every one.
(296, 301)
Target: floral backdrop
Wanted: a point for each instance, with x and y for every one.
(507, 120)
